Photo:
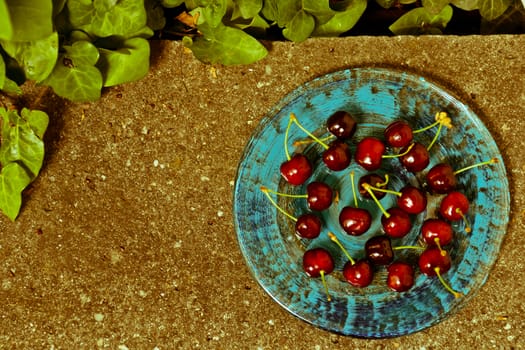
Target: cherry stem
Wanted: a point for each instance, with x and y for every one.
(286, 139)
(281, 194)
(399, 154)
(445, 284)
(352, 175)
(293, 118)
(487, 162)
(440, 118)
(383, 184)
(435, 137)
(443, 119)
(334, 239)
(438, 244)
(265, 191)
(400, 247)
(368, 188)
(467, 226)
(377, 189)
(328, 297)
(309, 141)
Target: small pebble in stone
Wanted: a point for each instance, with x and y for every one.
(98, 317)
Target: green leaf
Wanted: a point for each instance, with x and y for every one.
(286, 11)
(249, 8)
(270, 10)
(155, 15)
(214, 12)
(172, 3)
(386, 3)
(434, 6)
(30, 19)
(420, 21)
(22, 139)
(467, 5)
(104, 18)
(11, 87)
(6, 28)
(492, 9)
(75, 76)
(320, 9)
(300, 28)
(2, 72)
(13, 180)
(342, 21)
(225, 45)
(256, 22)
(129, 63)
(37, 58)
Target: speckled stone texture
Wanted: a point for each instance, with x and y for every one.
(126, 240)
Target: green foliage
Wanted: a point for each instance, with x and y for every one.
(420, 21)
(21, 155)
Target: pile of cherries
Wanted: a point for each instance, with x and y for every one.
(436, 232)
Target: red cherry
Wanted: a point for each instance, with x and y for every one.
(317, 260)
(415, 159)
(397, 224)
(374, 180)
(441, 178)
(433, 258)
(454, 206)
(319, 195)
(433, 229)
(337, 157)
(296, 170)
(412, 200)
(341, 124)
(369, 153)
(400, 276)
(379, 250)
(398, 134)
(355, 221)
(360, 274)
(308, 226)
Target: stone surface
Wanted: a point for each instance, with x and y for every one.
(126, 240)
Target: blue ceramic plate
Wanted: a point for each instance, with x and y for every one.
(375, 97)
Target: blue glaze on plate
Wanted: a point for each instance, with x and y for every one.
(375, 97)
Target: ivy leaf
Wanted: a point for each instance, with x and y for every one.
(37, 58)
(75, 76)
(320, 9)
(248, 8)
(13, 180)
(492, 9)
(256, 22)
(225, 45)
(300, 28)
(270, 10)
(156, 19)
(420, 21)
(11, 87)
(386, 4)
(29, 20)
(22, 139)
(2, 72)
(434, 6)
(342, 21)
(286, 11)
(104, 18)
(128, 63)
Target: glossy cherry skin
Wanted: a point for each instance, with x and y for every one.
(355, 221)
(379, 250)
(359, 274)
(433, 257)
(417, 159)
(373, 180)
(400, 276)
(369, 153)
(412, 200)
(338, 156)
(398, 134)
(436, 228)
(454, 206)
(308, 226)
(441, 178)
(398, 224)
(342, 125)
(296, 170)
(316, 260)
(319, 195)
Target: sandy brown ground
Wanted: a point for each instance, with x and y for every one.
(126, 240)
